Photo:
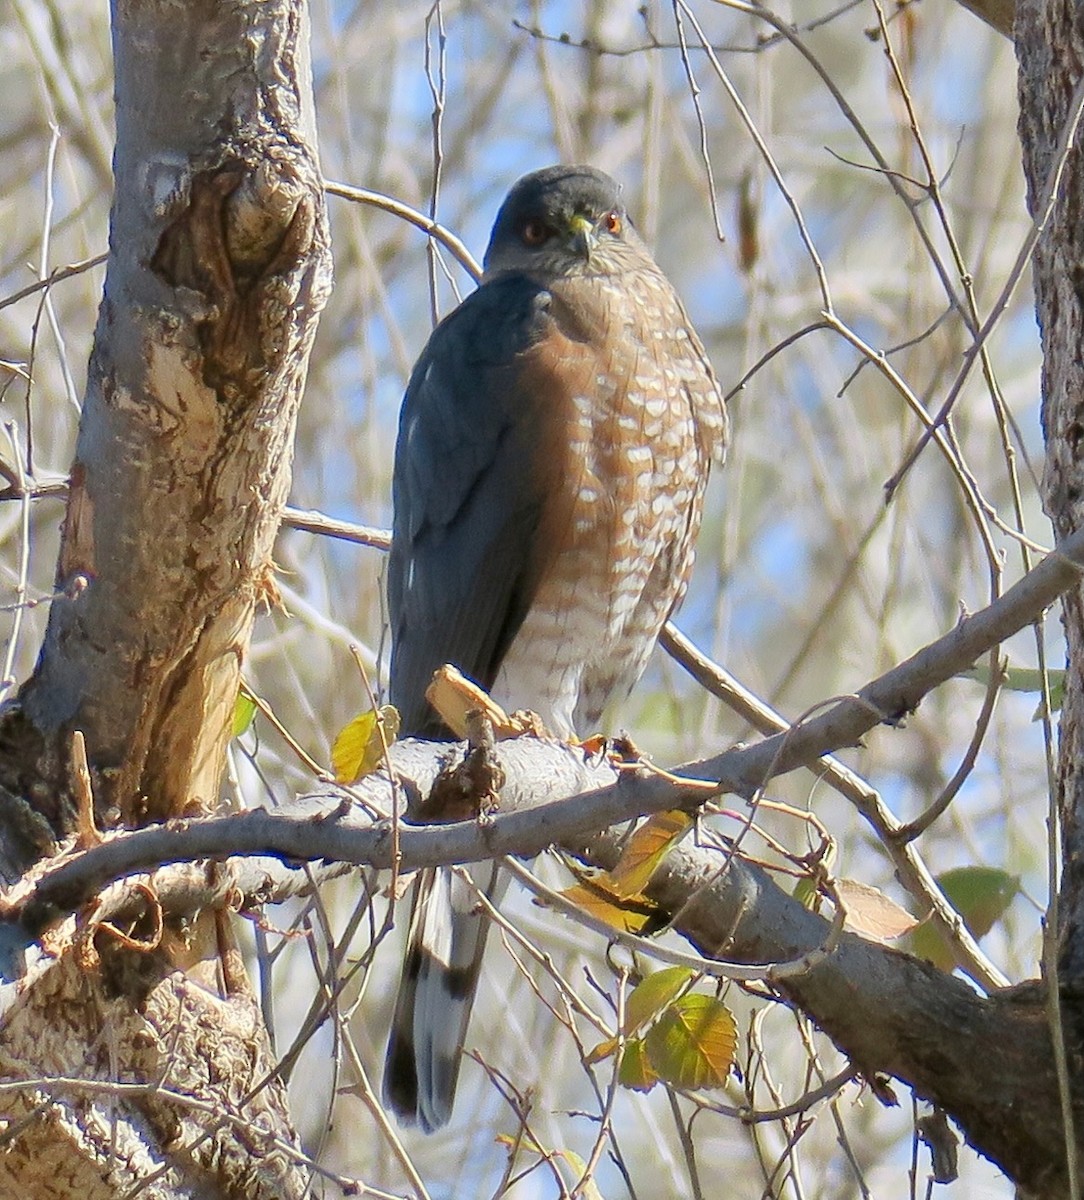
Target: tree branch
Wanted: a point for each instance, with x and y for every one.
(536, 770)
(890, 1013)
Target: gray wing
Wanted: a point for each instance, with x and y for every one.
(469, 491)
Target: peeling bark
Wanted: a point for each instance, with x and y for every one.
(218, 267)
(176, 1129)
(217, 272)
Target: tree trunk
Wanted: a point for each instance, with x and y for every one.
(217, 272)
(1050, 46)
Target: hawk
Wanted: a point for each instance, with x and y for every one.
(554, 446)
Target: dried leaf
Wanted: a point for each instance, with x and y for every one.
(629, 914)
(646, 849)
(871, 913)
(359, 747)
(748, 238)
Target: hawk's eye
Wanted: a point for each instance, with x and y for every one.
(613, 223)
(534, 232)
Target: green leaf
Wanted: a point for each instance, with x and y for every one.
(1024, 679)
(1057, 694)
(635, 1071)
(980, 895)
(652, 994)
(692, 1044)
(646, 1000)
(244, 710)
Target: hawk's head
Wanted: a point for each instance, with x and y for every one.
(564, 221)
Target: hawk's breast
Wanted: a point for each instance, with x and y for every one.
(634, 417)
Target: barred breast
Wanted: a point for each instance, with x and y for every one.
(642, 418)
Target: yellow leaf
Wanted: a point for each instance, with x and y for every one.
(871, 913)
(588, 1188)
(603, 1050)
(244, 709)
(359, 748)
(629, 914)
(647, 848)
(805, 892)
(692, 1044)
(636, 1071)
(523, 1141)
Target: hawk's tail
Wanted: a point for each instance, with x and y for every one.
(440, 976)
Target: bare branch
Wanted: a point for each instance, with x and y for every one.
(537, 770)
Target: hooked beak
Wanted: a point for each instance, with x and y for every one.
(581, 237)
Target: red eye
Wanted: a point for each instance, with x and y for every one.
(612, 222)
(534, 233)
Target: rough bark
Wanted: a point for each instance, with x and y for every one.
(217, 271)
(130, 1075)
(217, 268)
(1050, 47)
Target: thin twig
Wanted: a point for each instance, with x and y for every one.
(913, 872)
(426, 224)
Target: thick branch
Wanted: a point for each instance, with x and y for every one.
(892, 1014)
(889, 1012)
(742, 771)
(217, 272)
